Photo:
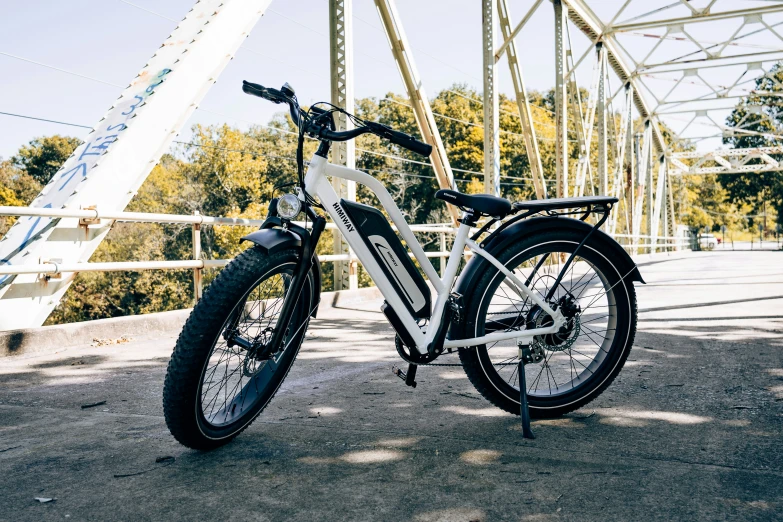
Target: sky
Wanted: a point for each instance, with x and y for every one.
(109, 41)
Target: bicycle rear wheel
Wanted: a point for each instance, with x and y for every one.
(573, 366)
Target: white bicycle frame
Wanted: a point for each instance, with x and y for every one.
(317, 184)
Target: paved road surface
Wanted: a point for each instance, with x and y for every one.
(690, 431)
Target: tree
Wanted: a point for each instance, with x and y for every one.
(757, 121)
(17, 188)
(43, 157)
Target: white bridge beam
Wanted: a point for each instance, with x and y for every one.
(118, 154)
(730, 161)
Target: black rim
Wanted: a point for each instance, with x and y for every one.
(568, 361)
(235, 383)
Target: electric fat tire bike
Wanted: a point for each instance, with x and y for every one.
(543, 315)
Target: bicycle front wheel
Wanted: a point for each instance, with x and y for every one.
(220, 377)
(571, 367)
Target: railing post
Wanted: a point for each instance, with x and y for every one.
(197, 282)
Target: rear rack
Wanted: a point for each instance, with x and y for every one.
(555, 207)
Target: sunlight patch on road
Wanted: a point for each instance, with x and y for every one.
(452, 515)
(406, 442)
(480, 457)
(372, 456)
(477, 412)
(635, 418)
(451, 376)
(363, 355)
(325, 410)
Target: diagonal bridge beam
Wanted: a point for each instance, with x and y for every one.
(588, 22)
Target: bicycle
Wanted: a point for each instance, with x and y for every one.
(543, 316)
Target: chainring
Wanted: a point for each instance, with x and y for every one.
(411, 356)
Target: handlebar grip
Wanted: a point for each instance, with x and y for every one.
(400, 138)
(410, 143)
(266, 93)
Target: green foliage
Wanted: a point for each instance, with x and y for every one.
(17, 188)
(758, 122)
(43, 157)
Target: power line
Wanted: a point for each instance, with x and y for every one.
(425, 53)
(395, 172)
(516, 115)
(478, 125)
(242, 47)
(283, 62)
(316, 31)
(21, 58)
(147, 10)
(390, 156)
(261, 54)
(481, 102)
(453, 119)
(44, 119)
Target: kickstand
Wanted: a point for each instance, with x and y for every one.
(524, 412)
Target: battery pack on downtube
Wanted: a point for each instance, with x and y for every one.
(391, 255)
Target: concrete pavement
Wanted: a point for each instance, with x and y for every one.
(691, 430)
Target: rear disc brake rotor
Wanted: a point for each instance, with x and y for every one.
(555, 342)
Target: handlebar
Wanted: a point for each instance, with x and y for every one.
(286, 95)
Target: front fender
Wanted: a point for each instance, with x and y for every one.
(272, 240)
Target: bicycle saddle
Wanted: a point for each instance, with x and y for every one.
(484, 203)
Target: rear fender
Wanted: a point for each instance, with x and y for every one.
(496, 243)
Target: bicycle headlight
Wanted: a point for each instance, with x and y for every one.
(288, 206)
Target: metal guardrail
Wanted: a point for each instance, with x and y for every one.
(88, 217)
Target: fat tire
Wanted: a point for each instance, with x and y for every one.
(542, 407)
(194, 346)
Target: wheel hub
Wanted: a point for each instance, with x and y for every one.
(565, 337)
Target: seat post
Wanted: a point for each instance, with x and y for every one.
(470, 218)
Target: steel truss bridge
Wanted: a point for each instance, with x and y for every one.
(706, 54)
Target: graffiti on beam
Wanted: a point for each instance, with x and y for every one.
(64, 184)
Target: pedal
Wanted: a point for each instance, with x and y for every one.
(408, 377)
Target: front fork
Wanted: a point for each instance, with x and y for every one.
(309, 242)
